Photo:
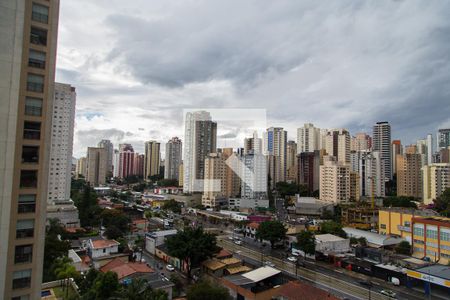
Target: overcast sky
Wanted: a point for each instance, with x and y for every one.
(137, 64)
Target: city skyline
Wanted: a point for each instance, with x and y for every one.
(346, 73)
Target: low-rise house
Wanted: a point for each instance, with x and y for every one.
(260, 284)
(103, 251)
(126, 271)
(218, 268)
(157, 238)
(250, 230)
(331, 244)
(296, 290)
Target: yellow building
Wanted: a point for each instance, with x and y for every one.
(397, 220)
(431, 238)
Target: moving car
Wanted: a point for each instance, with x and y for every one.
(292, 259)
(170, 268)
(238, 242)
(388, 293)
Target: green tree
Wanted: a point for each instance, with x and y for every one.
(86, 283)
(139, 289)
(192, 246)
(399, 201)
(204, 290)
(178, 284)
(442, 203)
(167, 182)
(172, 205)
(290, 189)
(86, 202)
(64, 270)
(332, 227)
(117, 218)
(272, 231)
(403, 248)
(306, 242)
(54, 248)
(105, 285)
(113, 233)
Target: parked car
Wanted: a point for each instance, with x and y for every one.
(230, 238)
(238, 242)
(170, 268)
(388, 293)
(269, 264)
(292, 259)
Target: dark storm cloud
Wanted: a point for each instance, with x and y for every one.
(334, 63)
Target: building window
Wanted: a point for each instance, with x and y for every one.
(445, 236)
(24, 229)
(38, 36)
(27, 204)
(33, 106)
(432, 234)
(39, 13)
(36, 59)
(32, 130)
(22, 279)
(23, 254)
(28, 178)
(30, 154)
(35, 83)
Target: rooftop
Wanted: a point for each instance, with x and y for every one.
(412, 211)
(436, 270)
(443, 220)
(240, 269)
(230, 261)
(123, 269)
(321, 238)
(261, 273)
(296, 290)
(373, 238)
(213, 264)
(99, 244)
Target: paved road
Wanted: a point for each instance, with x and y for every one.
(334, 281)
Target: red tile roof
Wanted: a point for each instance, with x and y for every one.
(253, 225)
(296, 290)
(224, 253)
(124, 269)
(98, 244)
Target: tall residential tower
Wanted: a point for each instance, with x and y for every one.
(27, 62)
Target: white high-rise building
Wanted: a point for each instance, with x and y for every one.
(308, 138)
(116, 163)
(253, 144)
(372, 174)
(109, 154)
(173, 158)
(254, 176)
(382, 144)
(275, 147)
(59, 177)
(200, 138)
(338, 145)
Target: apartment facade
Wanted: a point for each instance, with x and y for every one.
(431, 238)
(397, 149)
(444, 138)
(291, 161)
(152, 158)
(436, 179)
(308, 138)
(309, 170)
(200, 140)
(382, 143)
(275, 147)
(109, 155)
(63, 120)
(126, 160)
(372, 175)
(81, 168)
(27, 58)
(409, 175)
(361, 141)
(398, 220)
(96, 166)
(173, 158)
(334, 181)
(338, 145)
